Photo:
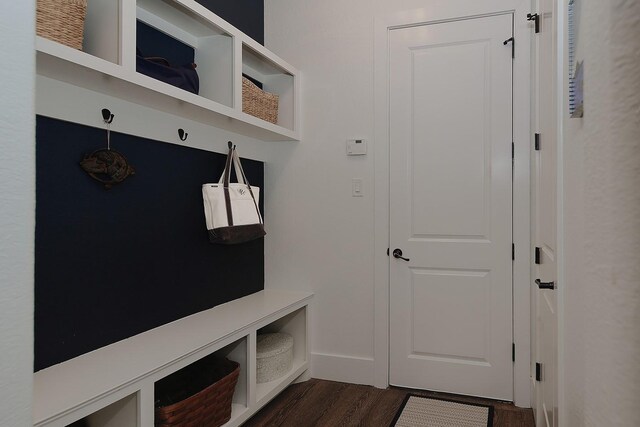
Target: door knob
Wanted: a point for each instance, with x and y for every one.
(397, 253)
(545, 285)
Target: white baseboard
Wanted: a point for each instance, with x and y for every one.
(348, 369)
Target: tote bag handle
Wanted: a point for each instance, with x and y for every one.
(225, 184)
(242, 178)
(233, 160)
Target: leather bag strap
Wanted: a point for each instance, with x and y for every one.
(243, 178)
(225, 184)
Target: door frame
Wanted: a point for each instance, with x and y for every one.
(563, 115)
(523, 140)
(562, 102)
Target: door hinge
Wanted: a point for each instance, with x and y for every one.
(536, 19)
(537, 255)
(513, 45)
(513, 150)
(536, 141)
(513, 251)
(538, 371)
(387, 251)
(513, 352)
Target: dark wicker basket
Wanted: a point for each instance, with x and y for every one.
(209, 407)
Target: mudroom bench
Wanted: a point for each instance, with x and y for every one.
(114, 385)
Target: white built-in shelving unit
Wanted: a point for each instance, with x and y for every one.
(114, 385)
(107, 64)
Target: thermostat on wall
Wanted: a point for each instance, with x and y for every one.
(356, 147)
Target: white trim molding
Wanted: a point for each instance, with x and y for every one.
(562, 101)
(336, 367)
(449, 11)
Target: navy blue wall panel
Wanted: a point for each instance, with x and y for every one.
(111, 264)
(245, 15)
(152, 42)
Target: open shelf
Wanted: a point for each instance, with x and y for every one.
(275, 79)
(212, 45)
(111, 378)
(100, 39)
(123, 413)
(236, 351)
(108, 65)
(294, 324)
(267, 391)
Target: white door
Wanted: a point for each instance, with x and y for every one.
(545, 219)
(450, 104)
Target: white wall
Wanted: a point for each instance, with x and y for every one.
(17, 211)
(322, 238)
(602, 223)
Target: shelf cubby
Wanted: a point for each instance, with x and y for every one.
(122, 413)
(275, 79)
(222, 52)
(238, 352)
(212, 45)
(101, 38)
(294, 324)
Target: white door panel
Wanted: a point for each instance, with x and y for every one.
(445, 155)
(470, 309)
(451, 203)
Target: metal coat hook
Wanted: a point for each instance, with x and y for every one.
(182, 135)
(107, 116)
(513, 45)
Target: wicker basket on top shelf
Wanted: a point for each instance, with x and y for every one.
(62, 21)
(259, 103)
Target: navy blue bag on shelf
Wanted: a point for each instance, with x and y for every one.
(183, 76)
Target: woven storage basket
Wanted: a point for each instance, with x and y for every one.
(62, 21)
(259, 103)
(210, 407)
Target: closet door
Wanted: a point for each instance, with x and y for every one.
(451, 207)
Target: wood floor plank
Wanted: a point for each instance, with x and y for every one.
(319, 403)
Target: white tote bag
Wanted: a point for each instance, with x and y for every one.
(231, 209)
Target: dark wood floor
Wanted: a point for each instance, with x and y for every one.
(318, 403)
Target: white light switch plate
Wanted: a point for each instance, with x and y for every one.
(356, 187)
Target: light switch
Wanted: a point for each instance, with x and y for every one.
(356, 187)
(356, 147)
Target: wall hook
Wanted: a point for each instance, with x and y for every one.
(105, 165)
(513, 45)
(182, 135)
(107, 116)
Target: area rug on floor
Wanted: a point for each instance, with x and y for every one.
(418, 411)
